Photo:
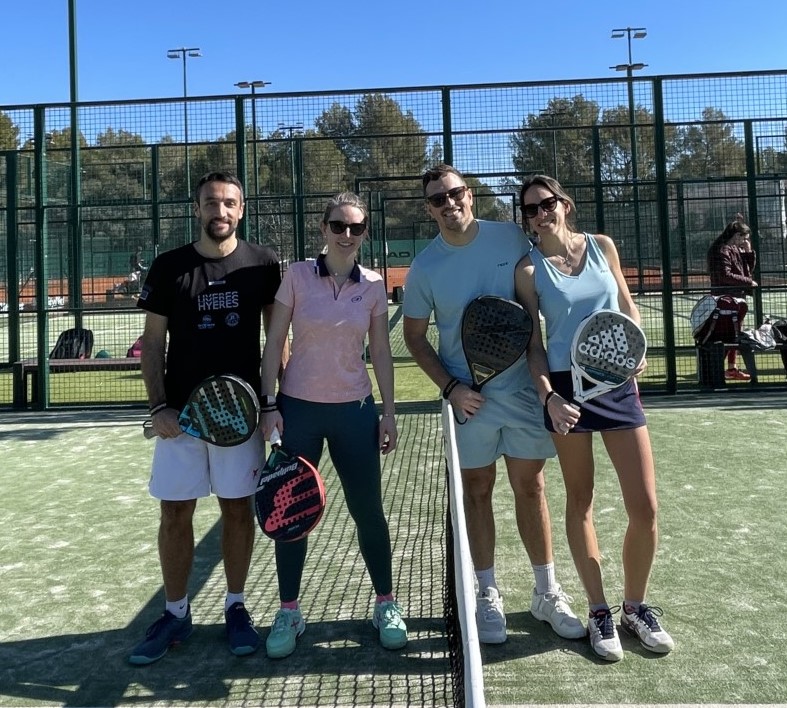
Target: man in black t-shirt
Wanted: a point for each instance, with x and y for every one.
(205, 305)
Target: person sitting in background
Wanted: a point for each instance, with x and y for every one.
(731, 261)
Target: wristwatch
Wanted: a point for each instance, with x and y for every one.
(269, 400)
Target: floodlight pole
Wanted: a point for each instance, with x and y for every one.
(629, 68)
(184, 53)
(75, 210)
(254, 85)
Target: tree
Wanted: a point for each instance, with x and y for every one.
(9, 133)
(540, 147)
(710, 149)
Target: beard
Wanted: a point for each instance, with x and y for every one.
(212, 230)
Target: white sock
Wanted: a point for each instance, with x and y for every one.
(545, 578)
(179, 608)
(232, 598)
(486, 579)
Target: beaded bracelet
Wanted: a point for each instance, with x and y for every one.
(158, 408)
(450, 386)
(548, 396)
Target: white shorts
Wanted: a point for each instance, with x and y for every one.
(511, 423)
(186, 468)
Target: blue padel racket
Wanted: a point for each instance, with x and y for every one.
(290, 497)
(222, 410)
(495, 333)
(607, 350)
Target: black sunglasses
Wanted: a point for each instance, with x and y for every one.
(549, 204)
(339, 227)
(439, 199)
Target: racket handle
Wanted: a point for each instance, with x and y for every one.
(275, 437)
(147, 430)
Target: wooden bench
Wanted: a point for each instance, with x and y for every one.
(25, 373)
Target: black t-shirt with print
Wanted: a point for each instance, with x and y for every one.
(213, 308)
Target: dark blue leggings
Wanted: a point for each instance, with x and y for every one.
(351, 430)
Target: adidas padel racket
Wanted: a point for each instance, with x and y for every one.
(495, 333)
(607, 350)
(290, 497)
(222, 410)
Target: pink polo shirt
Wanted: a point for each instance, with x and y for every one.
(329, 331)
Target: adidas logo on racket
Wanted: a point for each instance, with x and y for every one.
(608, 349)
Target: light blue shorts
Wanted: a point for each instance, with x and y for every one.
(509, 423)
(185, 468)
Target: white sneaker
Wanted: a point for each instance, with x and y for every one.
(554, 608)
(644, 625)
(490, 618)
(603, 635)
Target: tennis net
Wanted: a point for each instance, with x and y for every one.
(459, 590)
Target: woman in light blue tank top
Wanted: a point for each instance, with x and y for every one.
(566, 277)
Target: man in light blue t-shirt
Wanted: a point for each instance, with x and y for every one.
(466, 259)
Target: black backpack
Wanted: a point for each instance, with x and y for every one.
(73, 344)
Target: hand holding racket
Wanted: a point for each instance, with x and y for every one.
(290, 497)
(608, 349)
(222, 410)
(495, 334)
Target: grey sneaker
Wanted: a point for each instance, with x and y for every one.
(555, 608)
(645, 627)
(490, 618)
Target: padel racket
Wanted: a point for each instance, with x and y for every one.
(607, 350)
(290, 497)
(222, 410)
(495, 333)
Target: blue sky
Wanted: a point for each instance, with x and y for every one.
(304, 45)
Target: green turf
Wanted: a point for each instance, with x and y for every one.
(80, 576)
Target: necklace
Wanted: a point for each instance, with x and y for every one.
(568, 259)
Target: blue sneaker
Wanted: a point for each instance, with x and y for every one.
(387, 620)
(165, 632)
(242, 636)
(287, 626)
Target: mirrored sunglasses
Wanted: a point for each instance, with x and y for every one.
(457, 194)
(339, 227)
(549, 204)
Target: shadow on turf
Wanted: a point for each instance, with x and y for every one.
(92, 670)
(332, 658)
(528, 637)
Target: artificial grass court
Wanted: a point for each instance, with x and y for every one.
(79, 577)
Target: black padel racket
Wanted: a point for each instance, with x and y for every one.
(607, 350)
(222, 410)
(290, 497)
(495, 333)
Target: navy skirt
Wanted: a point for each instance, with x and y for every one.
(618, 409)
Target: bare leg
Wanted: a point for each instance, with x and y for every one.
(478, 485)
(632, 458)
(237, 540)
(532, 512)
(575, 453)
(176, 546)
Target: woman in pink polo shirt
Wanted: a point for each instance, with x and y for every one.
(333, 304)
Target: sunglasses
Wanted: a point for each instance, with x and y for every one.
(549, 204)
(439, 199)
(339, 227)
